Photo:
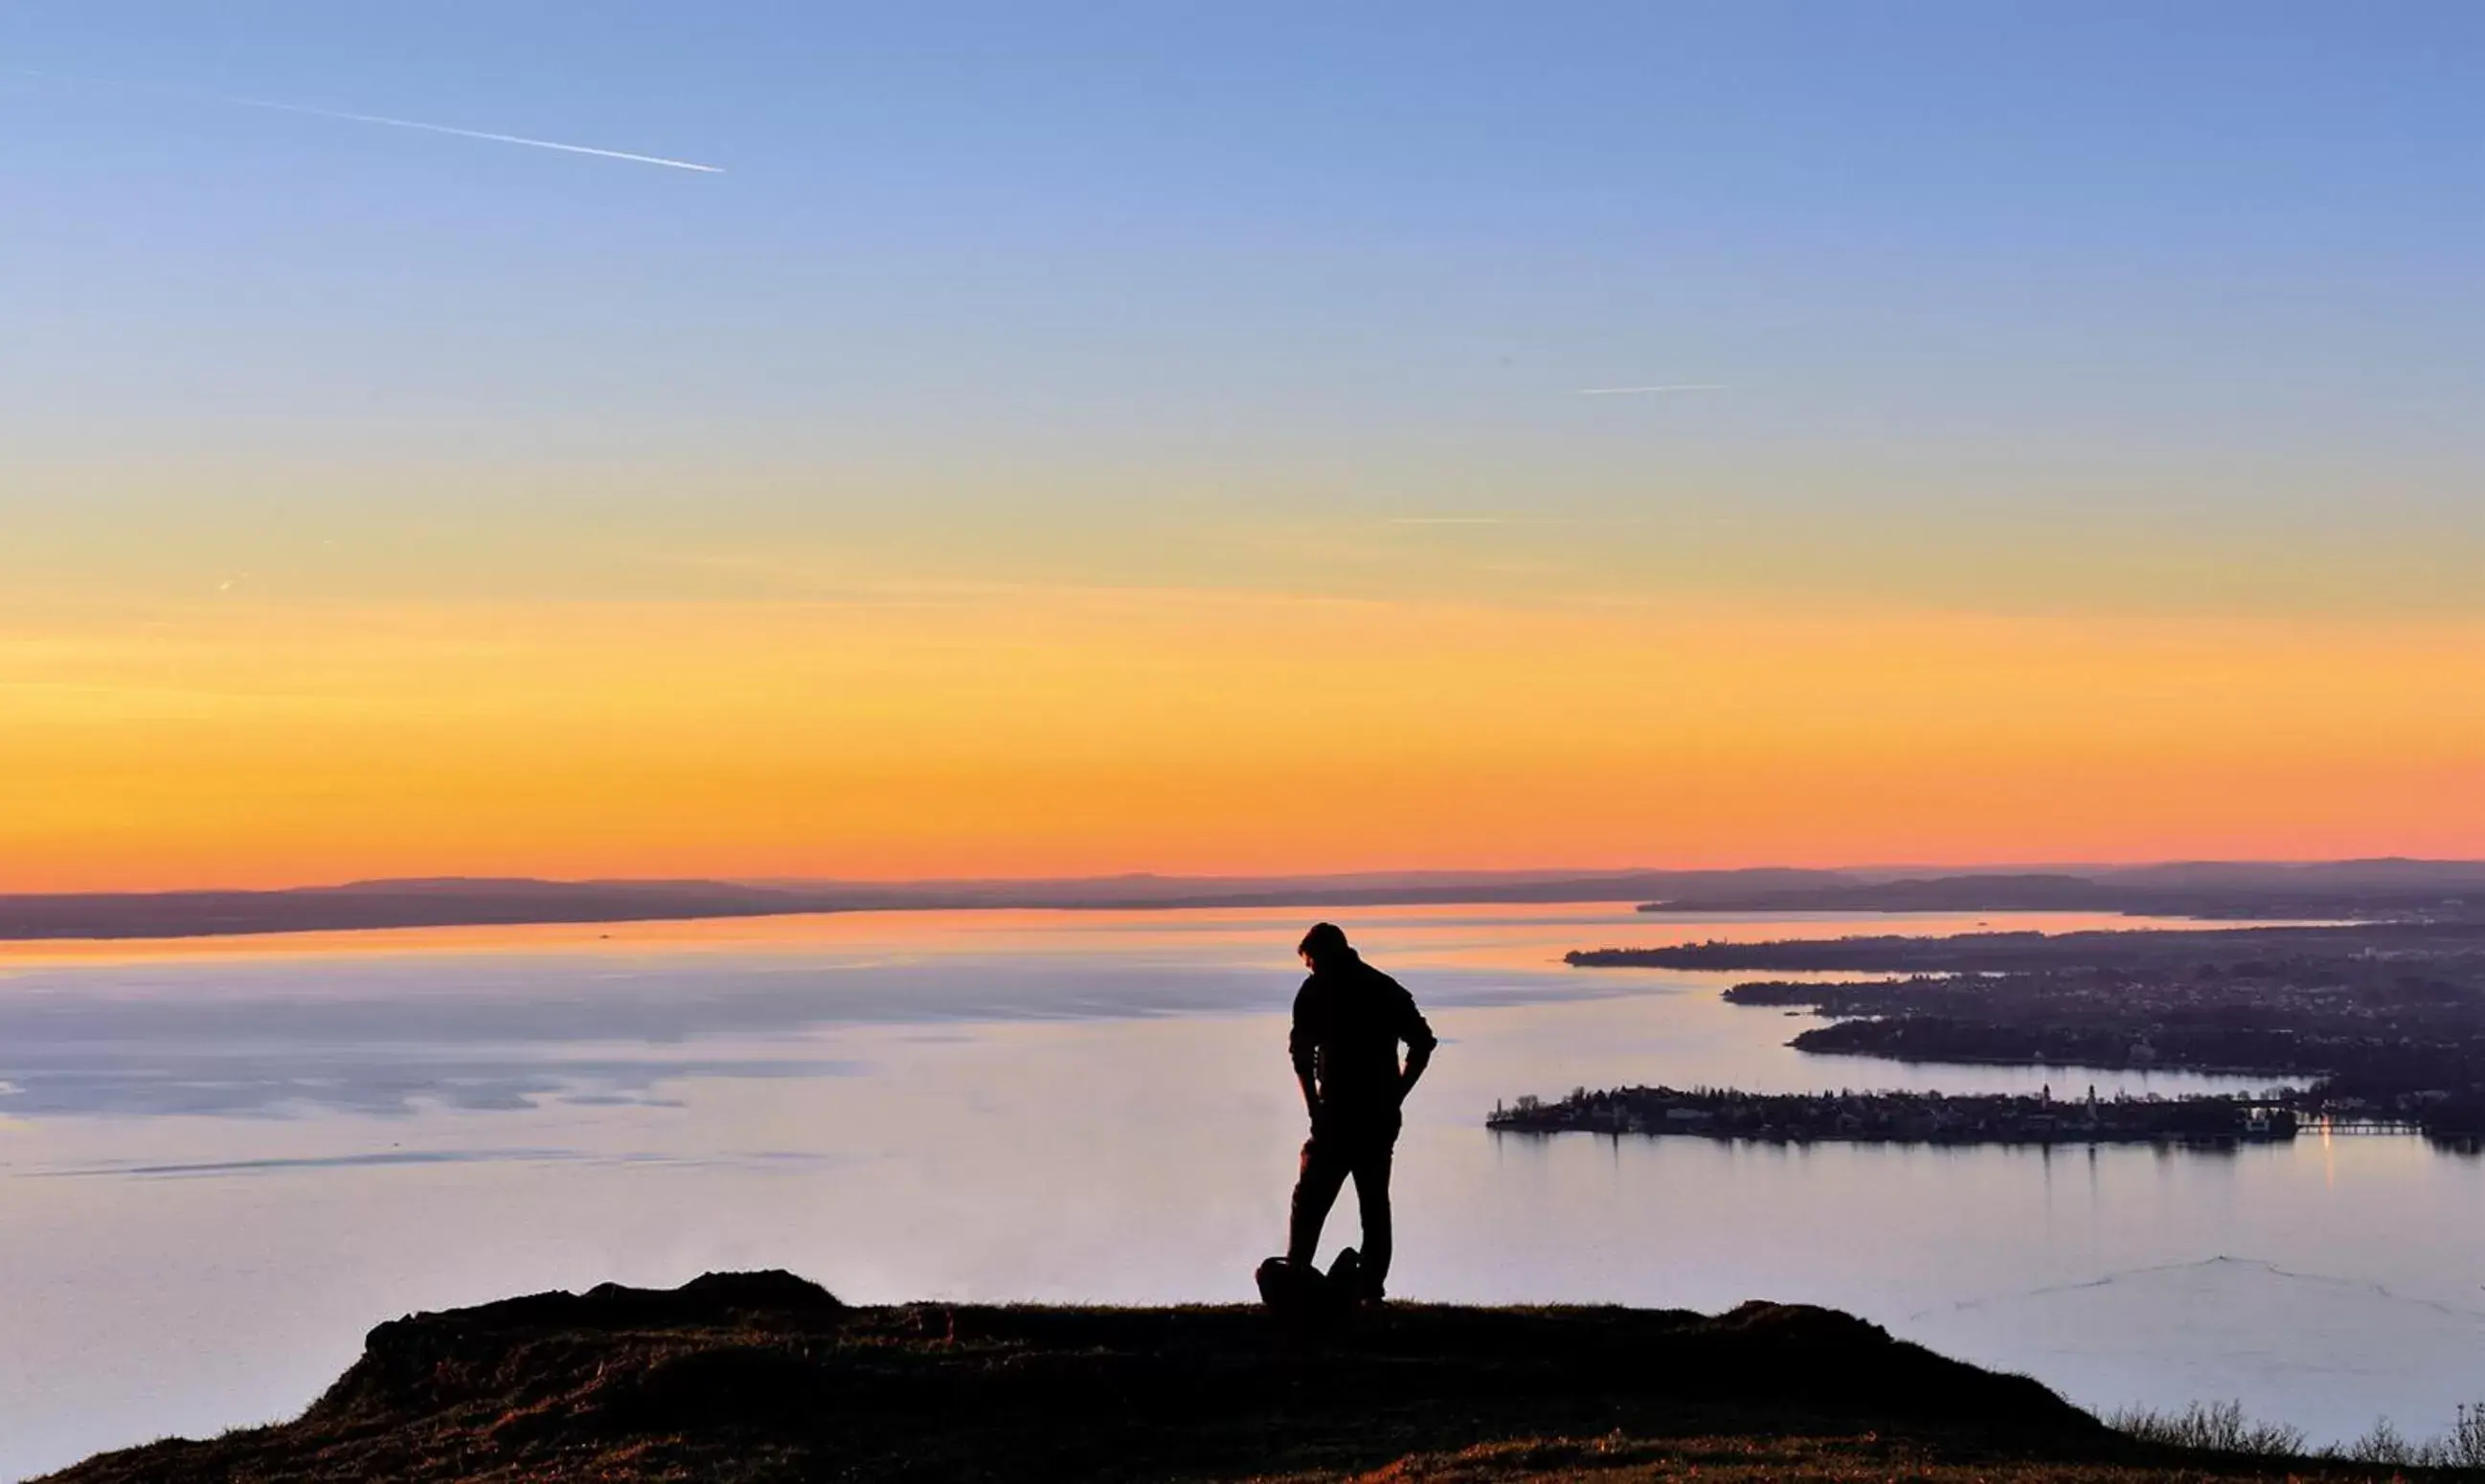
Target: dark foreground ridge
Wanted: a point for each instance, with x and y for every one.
(756, 1376)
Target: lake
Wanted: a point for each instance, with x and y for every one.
(222, 1162)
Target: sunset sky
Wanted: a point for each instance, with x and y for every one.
(1152, 438)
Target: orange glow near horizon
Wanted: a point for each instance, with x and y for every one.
(1052, 731)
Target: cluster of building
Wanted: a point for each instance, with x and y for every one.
(1915, 1118)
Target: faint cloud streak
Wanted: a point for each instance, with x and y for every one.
(234, 100)
(444, 128)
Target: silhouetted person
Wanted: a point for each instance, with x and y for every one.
(1348, 1020)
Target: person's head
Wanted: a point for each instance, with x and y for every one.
(1324, 945)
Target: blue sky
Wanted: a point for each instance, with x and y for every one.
(1959, 268)
(1795, 194)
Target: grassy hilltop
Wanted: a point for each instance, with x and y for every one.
(762, 1376)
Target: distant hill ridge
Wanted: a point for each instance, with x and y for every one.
(460, 901)
(2233, 889)
(2201, 888)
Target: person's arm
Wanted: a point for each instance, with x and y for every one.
(1302, 1045)
(1420, 1042)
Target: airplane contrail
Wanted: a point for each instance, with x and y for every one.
(1677, 385)
(238, 101)
(443, 128)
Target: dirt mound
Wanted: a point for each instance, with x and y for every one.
(765, 1376)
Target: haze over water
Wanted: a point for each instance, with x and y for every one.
(221, 1162)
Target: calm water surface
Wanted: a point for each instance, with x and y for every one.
(220, 1163)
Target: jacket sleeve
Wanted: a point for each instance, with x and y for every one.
(1411, 1026)
(1302, 1043)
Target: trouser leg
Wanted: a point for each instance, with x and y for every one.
(1372, 1196)
(1323, 1172)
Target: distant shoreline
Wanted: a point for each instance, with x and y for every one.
(2386, 1018)
(2231, 890)
(376, 905)
(1949, 1120)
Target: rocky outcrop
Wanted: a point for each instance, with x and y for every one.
(765, 1376)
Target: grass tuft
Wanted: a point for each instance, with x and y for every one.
(2222, 1427)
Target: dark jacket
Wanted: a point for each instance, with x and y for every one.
(1348, 1020)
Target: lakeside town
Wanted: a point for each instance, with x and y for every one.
(1905, 1117)
(2377, 1023)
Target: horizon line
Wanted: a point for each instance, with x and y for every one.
(1539, 873)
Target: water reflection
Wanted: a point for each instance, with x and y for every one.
(219, 1164)
(508, 1018)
